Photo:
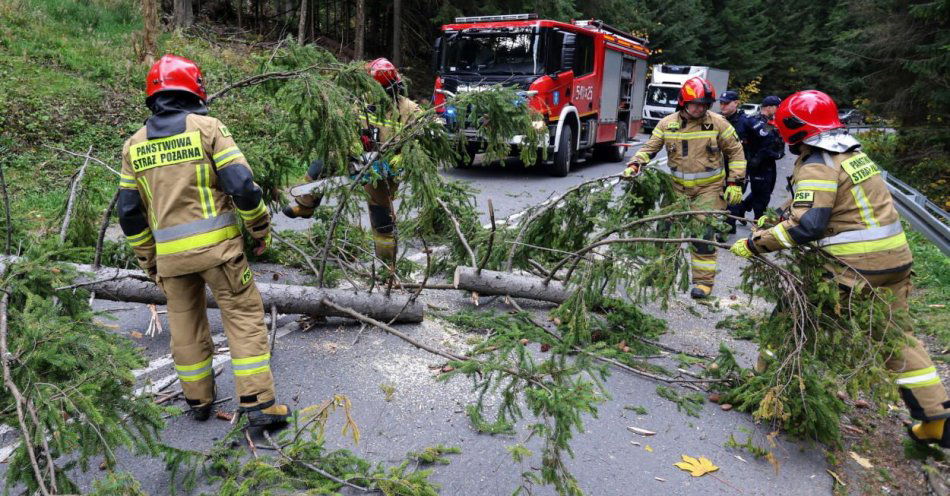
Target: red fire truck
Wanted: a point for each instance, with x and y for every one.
(586, 78)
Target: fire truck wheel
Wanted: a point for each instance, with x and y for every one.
(564, 154)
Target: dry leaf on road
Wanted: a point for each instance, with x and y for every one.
(862, 461)
(696, 467)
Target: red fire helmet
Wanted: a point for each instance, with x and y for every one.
(172, 72)
(806, 114)
(384, 72)
(697, 90)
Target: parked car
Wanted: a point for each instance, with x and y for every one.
(850, 116)
(750, 109)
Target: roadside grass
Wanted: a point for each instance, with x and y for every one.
(70, 80)
(931, 295)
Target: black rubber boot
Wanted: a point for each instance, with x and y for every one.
(201, 412)
(268, 415)
(700, 291)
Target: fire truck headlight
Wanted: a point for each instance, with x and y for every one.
(539, 125)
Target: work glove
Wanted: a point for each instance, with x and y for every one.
(766, 219)
(262, 245)
(733, 194)
(741, 248)
(632, 170)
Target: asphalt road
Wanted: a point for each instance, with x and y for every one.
(609, 460)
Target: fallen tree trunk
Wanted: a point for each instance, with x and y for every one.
(133, 286)
(490, 282)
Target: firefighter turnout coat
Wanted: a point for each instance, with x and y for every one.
(841, 204)
(697, 150)
(181, 197)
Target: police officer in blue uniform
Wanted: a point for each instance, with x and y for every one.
(729, 108)
(765, 146)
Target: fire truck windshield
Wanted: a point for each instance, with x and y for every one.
(662, 97)
(514, 52)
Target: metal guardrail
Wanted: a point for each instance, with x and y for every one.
(922, 214)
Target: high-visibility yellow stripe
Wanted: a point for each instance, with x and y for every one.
(148, 196)
(203, 173)
(816, 185)
(224, 152)
(196, 377)
(643, 155)
(257, 370)
(250, 365)
(142, 235)
(127, 181)
(202, 364)
(197, 241)
(918, 378)
(140, 241)
(864, 206)
(251, 359)
(254, 213)
(703, 264)
(699, 182)
(657, 132)
(782, 235)
(690, 135)
(862, 247)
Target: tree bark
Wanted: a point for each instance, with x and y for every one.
(397, 33)
(110, 283)
(360, 34)
(490, 282)
(183, 15)
(150, 31)
(240, 13)
(302, 25)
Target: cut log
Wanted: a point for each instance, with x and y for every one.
(490, 282)
(133, 286)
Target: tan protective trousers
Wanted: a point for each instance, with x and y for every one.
(382, 218)
(703, 263)
(242, 312)
(917, 380)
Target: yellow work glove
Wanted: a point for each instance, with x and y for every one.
(741, 248)
(733, 194)
(632, 170)
(766, 219)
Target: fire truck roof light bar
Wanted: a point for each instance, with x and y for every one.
(495, 18)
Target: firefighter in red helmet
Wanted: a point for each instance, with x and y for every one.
(381, 181)
(183, 185)
(841, 204)
(698, 142)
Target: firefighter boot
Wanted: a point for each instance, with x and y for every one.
(202, 411)
(700, 291)
(268, 415)
(298, 211)
(931, 432)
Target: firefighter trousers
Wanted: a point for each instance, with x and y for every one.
(242, 313)
(382, 218)
(917, 379)
(703, 259)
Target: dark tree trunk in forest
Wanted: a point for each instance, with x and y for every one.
(150, 33)
(397, 32)
(302, 26)
(182, 14)
(360, 34)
